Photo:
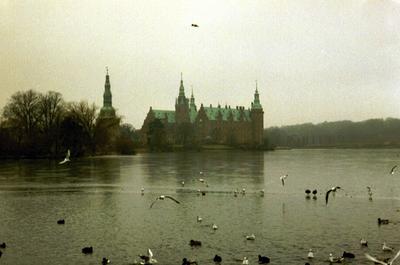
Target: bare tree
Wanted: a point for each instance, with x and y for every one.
(85, 115)
(51, 109)
(22, 112)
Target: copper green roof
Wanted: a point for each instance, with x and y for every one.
(162, 114)
(213, 112)
(192, 114)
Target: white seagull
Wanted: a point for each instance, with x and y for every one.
(310, 254)
(386, 247)
(162, 197)
(245, 261)
(66, 159)
(283, 178)
(199, 219)
(214, 227)
(148, 259)
(390, 262)
(333, 189)
(251, 237)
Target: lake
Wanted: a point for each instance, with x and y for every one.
(102, 205)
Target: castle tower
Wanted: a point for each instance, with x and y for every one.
(107, 111)
(182, 106)
(257, 119)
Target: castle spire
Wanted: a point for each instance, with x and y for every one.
(107, 97)
(181, 98)
(107, 111)
(256, 103)
(192, 103)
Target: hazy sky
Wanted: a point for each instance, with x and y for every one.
(314, 60)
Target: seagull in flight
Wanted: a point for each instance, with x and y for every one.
(283, 178)
(333, 189)
(195, 25)
(390, 262)
(66, 159)
(162, 197)
(149, 258)
(393, 169)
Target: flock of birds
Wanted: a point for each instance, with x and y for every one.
(149, 258)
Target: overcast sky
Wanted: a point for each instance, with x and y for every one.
(314, 61)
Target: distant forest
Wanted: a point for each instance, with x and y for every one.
(34, 124)
(373, 133)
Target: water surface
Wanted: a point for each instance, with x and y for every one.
(100, 200)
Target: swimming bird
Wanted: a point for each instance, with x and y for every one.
(199, 219)
(61, 222)
(105, 261)
(364, 242)
(243, 191)
(314, 192)
(245, 261)
(386, 247)
(194, 243)
(183, 184)
(348, 255)
(251, 237)
(393, 169)
(3, 245)
(263, 259)
(283, 178)
(333, 189)
(217, 259)
(333, 259)
(369, 192)
(87, 250)
(142, 191)
(310, 254)
(66, 159)
(383, 221)
(307, 191)
(195, 25)
(376, 261)
(162, 197)
(214, 227)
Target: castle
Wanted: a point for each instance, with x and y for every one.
(208, 125)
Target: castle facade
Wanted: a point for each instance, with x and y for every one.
(208, 125)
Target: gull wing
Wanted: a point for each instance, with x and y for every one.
(150, 253)
(68, 154)
(392, 170)
(151, 205)
(395, 257)
(63, 162)
(374, 259)
(327, 196)
(171, 198)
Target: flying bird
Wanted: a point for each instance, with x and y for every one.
(393, 169)
(162, 197)
(195, 25)
(376, 261)
(283, 178)
(149, 258)
(66, 159)
(333, 189)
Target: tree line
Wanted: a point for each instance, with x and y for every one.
(372, 133)
(34, 124)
